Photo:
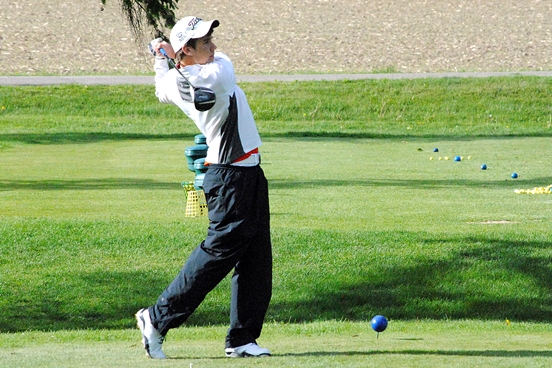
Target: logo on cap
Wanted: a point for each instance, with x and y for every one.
(193, 22)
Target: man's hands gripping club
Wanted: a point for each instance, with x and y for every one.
(203, 98)
(156, 45)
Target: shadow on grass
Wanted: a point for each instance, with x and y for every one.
(101, 300)
(477, 278)
(88, 184)
(366, 135)
(131, 183)
(467, 353)
(481, 353)
(85, 137)
(93, 137)
(410, 183)
(482, 279)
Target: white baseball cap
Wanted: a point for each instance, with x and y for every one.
(188, 28)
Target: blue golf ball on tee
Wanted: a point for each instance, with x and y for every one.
(379, 323)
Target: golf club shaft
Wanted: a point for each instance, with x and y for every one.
(171, 62)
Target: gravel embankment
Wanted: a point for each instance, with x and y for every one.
(76, 37)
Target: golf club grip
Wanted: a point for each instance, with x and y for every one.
(164, 53)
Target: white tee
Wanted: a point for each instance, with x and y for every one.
(229, 126)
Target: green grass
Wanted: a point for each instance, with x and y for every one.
(320, 344)
(448, 107)
(92, 224)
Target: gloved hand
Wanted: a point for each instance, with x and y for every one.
(152, 44)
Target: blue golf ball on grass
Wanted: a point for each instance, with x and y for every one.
(379, 323)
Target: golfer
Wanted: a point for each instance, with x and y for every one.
(238, 236)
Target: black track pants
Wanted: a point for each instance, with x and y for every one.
(238, 238)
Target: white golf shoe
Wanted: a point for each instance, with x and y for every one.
(248, 350)
(151, 339)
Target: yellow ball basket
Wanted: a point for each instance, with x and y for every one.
(196, 205)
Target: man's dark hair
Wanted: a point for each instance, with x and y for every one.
(191, 43)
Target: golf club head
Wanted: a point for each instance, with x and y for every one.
(204, 98)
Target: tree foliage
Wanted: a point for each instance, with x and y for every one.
(148, 16)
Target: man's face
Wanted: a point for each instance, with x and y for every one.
(204, 51)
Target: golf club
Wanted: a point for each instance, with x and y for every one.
(204, 98)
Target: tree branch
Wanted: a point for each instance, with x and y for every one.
(148, 16)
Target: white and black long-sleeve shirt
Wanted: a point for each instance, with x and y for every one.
(229, 126)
